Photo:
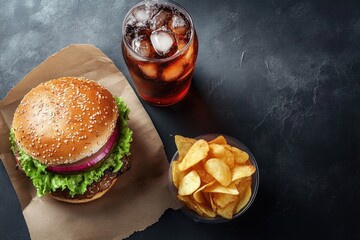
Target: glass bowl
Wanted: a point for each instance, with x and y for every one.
(218, 219)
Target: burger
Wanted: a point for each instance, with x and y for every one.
(70, 138)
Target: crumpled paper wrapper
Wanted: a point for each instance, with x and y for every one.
(138, 198)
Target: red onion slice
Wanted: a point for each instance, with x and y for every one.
(88, 161)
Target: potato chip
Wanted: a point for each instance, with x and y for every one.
(219, 170)
(212, 204)
(219, 151)
(183, 145)
(244, 200)
(240, 171)
(206, 210)
(205, 176)
(219, 188)
(227, 211)
(243, 183)
(190, 203)
(240, 156)
(206, 196)
(223, 199)
(219, 140)
(198, 195)
(196, 153)
(189, 183)
(191, 140)
(199, 208)
(177, 175)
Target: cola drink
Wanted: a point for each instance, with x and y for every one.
(160, 48)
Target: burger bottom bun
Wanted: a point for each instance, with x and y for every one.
(85, 200)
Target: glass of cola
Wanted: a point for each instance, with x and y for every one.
(160, 47)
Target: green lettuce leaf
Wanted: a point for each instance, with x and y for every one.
(46, 182)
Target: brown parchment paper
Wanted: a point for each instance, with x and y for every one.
(138, 198)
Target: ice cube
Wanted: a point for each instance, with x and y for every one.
(151, 8)
(189, 58)
(163, 42)
(131, 21)
(141, 14)
(142, 31)
(173, 71)
(142, 46)
(181, 44)
(160, 19)
(178, 25)
(149, 70)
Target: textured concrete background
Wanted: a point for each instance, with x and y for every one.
(281, 76)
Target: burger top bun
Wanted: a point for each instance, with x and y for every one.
(65, 120)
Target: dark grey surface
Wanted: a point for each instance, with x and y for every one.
(281, 76)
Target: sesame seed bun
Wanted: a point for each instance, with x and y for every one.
(65, 120)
